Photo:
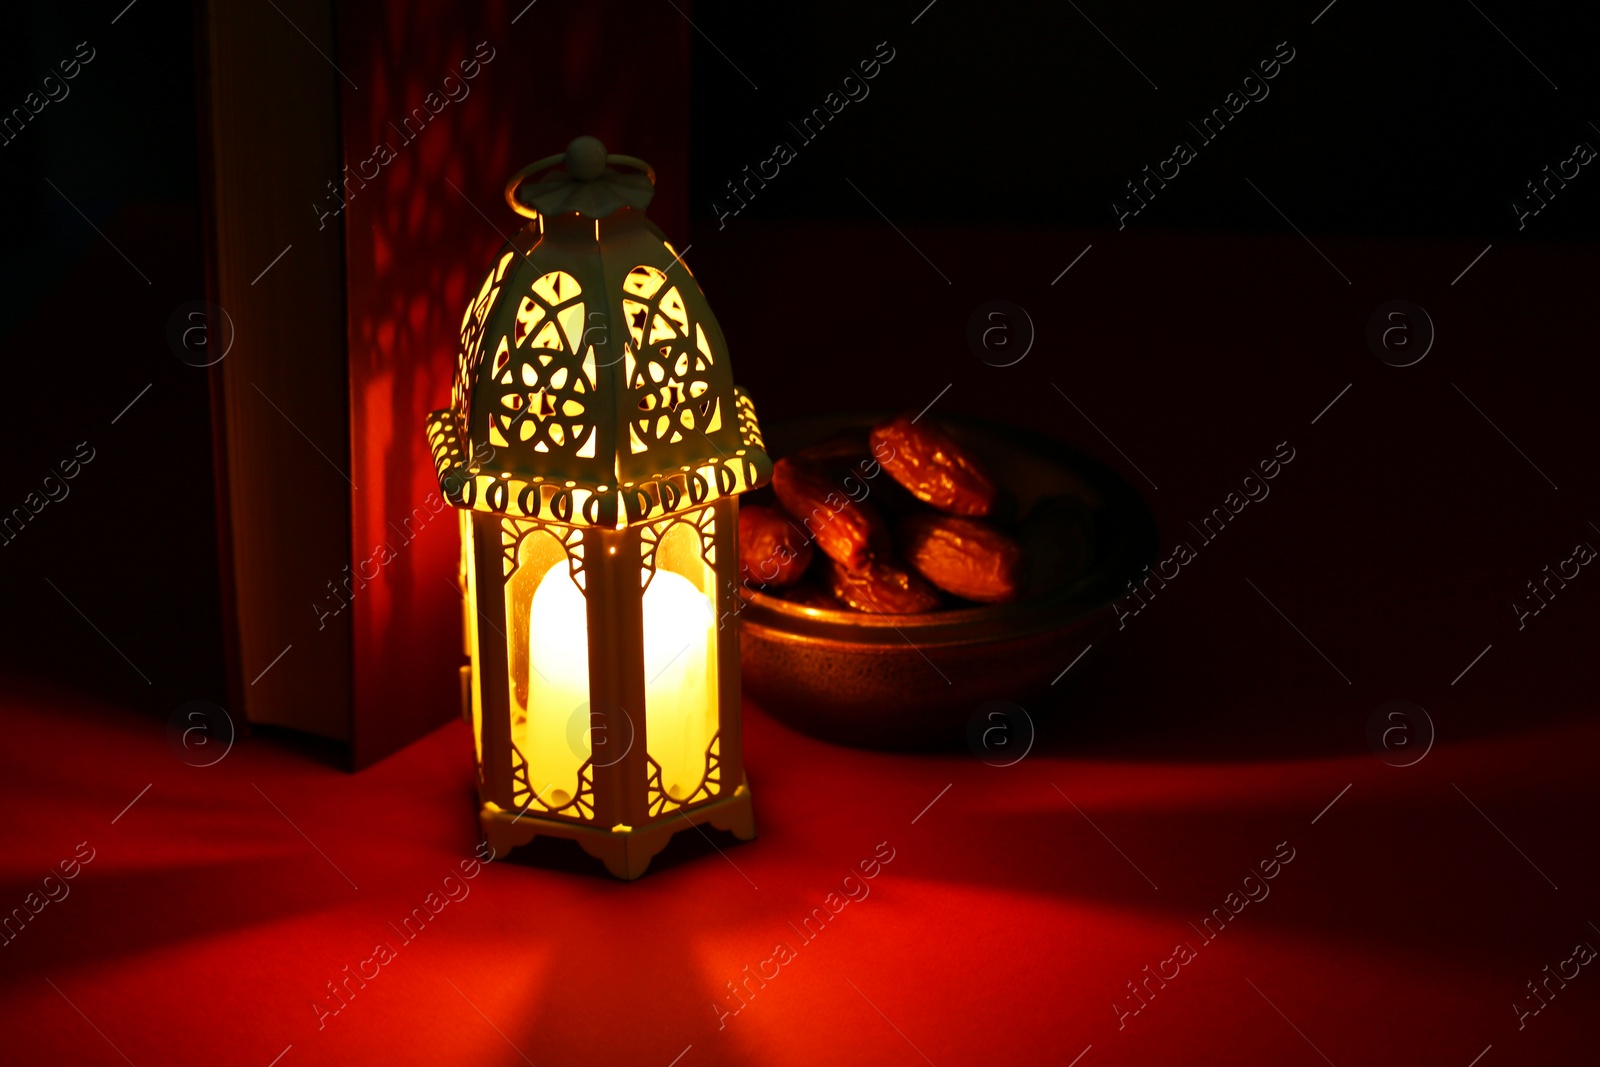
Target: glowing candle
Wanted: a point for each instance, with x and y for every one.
(558, 652)
(680, 680)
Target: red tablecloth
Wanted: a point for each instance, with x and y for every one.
(1018, 904)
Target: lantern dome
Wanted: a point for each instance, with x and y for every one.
(592, 381)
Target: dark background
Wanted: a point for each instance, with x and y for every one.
(124, 136)
(1392, 119)
(131, 551)
(996, 139)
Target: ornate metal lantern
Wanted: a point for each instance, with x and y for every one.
(596, 446)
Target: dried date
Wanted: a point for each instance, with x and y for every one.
(933, 467)
(847, 530)
(772, 552)
(963, 556)
(882, 587)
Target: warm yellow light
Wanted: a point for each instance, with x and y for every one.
(469, 612)
(558, 652)
(680, 679)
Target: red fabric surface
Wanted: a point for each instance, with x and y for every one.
(1003, 929)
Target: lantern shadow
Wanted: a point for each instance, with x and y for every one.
(110, 915)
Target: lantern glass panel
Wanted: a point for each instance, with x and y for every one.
(547, 652)
(680, 643)
(469, 617)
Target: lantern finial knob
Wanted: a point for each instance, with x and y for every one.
(586, 158)
(588, 185)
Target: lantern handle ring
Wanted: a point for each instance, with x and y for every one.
(516, 180)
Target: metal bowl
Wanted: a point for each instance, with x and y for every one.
(915, 681)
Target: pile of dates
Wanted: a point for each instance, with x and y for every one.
(901, 519)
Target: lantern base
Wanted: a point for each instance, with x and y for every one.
(626, 851)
